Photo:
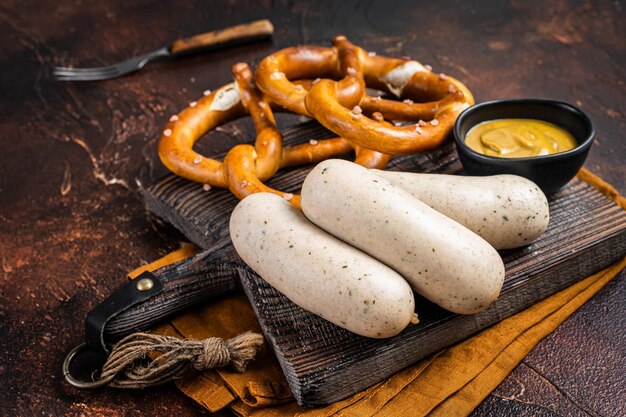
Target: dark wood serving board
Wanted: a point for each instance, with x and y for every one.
(324, 363)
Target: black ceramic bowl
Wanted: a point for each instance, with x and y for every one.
(550, 172)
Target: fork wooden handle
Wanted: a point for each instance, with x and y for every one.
(239, 34)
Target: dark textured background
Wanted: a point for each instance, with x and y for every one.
(74, 155)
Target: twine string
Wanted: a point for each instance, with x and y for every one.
(143, 360)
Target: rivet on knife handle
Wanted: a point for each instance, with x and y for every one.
(233, 35)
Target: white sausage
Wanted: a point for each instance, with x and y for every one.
(317, 271)
(442, 260)
(507, 211)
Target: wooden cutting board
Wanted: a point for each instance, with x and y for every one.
(324, 363)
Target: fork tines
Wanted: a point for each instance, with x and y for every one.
(85, 74)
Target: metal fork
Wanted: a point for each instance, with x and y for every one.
(234, 35)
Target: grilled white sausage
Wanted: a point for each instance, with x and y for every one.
(442, 260)
(507, 211)
(317, 271)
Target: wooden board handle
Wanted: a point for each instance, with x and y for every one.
(247, 32)
(185, 283)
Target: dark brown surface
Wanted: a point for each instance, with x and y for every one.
(74, 156)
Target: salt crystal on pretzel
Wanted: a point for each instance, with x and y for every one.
(277, 75)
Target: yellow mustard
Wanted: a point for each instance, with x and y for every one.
(518, 138)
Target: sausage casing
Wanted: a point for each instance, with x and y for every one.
(442, 260)
(317, 271)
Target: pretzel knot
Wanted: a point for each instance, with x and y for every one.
(328, 84)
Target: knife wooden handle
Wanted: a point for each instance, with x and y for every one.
(247, 32)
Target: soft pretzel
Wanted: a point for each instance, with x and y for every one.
(323, 102)
(245, 167)
(291, 80)
(331, 102)
(276, 73)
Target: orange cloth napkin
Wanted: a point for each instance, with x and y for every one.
(450, 383)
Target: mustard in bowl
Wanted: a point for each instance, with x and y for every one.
(546, 141)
